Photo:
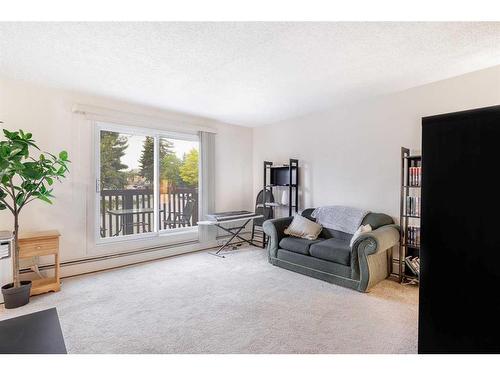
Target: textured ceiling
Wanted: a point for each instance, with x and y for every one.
(244, 73)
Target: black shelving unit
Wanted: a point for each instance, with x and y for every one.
(283, 176)
(409, 244)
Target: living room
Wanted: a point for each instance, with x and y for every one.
(248, 187)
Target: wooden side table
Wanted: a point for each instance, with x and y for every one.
(40, 244)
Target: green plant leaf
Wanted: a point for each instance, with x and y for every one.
(5, 150)
(28, 176)
(44, 198)
(20, 199)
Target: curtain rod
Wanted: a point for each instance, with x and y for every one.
(174, 122)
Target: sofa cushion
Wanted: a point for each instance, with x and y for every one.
(297, 245)
(334, 250)
(377, 220)
(303, 228)
(312, 266)
(332, 233)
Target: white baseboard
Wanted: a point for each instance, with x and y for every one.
(120, 260)
(101, 263)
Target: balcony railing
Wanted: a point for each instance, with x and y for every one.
(131, 211)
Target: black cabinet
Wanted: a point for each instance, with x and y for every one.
(460, 233)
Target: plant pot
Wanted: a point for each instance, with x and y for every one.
(16, 297)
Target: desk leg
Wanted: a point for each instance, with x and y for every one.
(228, 241)
(57, 269)
(234, 235)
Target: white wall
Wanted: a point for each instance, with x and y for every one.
(351, 155)
(47, 113)
(348, 155)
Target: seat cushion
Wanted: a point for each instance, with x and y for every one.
(297, 245)
(334, 250)
(310, 266)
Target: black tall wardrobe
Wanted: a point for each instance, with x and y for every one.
(460, 233)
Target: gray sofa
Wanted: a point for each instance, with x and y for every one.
(330, 257)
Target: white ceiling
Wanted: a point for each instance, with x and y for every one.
(244, 73)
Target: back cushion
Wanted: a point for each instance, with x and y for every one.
(307, 214)
(303, 228)
(326, 233)
(332, 233)
(377, 220)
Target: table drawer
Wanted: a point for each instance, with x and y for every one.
(39, 247)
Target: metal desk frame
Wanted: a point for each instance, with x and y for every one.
(234, 231)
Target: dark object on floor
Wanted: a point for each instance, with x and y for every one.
(16, 297)
(266, 212)
(330, 257)
(37, 333)
(460, 257)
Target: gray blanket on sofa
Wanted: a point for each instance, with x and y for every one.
(342, 218)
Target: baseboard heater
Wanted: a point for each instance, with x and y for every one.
(125, 254)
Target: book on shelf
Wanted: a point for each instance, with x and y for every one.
(415, 173)
(413, 264)
(413, 206)
(413, 236)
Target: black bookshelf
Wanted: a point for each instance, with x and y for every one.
(283, 176)
(410, 202)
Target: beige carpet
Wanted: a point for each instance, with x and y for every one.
(198, 303)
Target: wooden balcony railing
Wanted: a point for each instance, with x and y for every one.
(131, 211)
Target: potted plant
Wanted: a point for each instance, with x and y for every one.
(23, 179)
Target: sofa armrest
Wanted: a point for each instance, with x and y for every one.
(380, 239)
(275, 229)
(372, 251)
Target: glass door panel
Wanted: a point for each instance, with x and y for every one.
(126, 164)
(178, 183)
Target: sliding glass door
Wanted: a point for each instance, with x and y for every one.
(178, 193)
(147, 181)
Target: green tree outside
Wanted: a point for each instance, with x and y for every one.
(113, 174)
(189, 168)
(170, 167)
(146, 161)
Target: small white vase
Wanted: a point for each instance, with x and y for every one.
(284, 198)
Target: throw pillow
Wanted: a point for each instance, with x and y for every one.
(303, 228)
(361, 230)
